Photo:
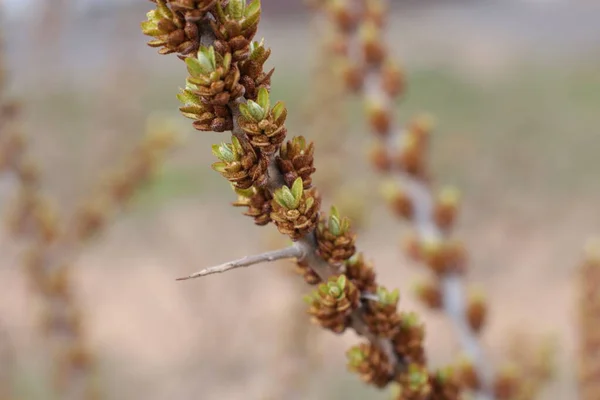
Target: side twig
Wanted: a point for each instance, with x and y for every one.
(270, 256)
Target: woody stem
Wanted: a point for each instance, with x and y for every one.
(270, 256)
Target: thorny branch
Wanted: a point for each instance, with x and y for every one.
(228, 90)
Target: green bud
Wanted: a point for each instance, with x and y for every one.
(299, 141)
(323, 288)
(235, 9)
(355, 356)
(417, 378)
(204, 64)
(309, 298)
(410, 320)
(258, 52)
(288, 198)
(336, 225)
(150, 27)
(386, 297)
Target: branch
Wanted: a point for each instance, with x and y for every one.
(455, 308)
(270, 256)
(305, 249)
(452, 285)
(419, 192)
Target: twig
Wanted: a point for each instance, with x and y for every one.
(270, 256)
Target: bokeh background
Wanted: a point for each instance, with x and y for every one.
(515, 88)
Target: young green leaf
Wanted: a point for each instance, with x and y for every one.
(290, 201)
(279, 112)
(256, 111)
(341, 281)
(236, 8)
(334, 226)
(298, 189)
(263, 98)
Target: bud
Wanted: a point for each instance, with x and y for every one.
(507, 383)
(353, 77)
(379, 158)
(476, 309)
(373, 48)
(429, 293)
(446, 208)
(434, 255)
(392, 80)
(421, 127)
(379, 117)
(411, 157)
(411, 245)
(466, 374)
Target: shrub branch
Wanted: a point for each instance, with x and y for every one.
(228, 90)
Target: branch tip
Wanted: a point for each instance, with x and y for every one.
(293, 251)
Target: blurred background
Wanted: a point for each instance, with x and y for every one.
(515, 89)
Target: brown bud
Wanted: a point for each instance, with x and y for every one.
(343, 16)
(371, 364)
(379, 118)
(507, 383)
(429, 293)
(402, 204)
(353, 77)
(411, 157)
(392, 80)
(79, 356)
(374, 52)
(467, 375)
(378, 156)
(434, 255)
(412, 247)
(310, 277)
(476, 310)
(420, 128)
(446, 208)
